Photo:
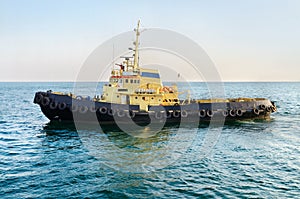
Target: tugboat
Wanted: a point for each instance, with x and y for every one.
(138, 94)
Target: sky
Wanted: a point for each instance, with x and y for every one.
(257, 40)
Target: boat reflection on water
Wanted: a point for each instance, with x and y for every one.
(146, 150)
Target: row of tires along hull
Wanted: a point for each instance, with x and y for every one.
(203, 113)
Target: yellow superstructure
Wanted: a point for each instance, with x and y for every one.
(130, 84)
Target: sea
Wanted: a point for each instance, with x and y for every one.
(242, 159)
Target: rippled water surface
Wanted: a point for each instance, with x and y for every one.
(252, 159)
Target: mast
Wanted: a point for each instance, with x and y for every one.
(136, 51)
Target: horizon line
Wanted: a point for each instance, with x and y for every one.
(225, 81)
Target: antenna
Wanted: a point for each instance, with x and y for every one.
(136, 43)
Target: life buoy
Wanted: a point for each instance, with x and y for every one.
(53, 105)
(165, 89)
(225, 113)
(202, 113)
(176, 113)
(103, 110)
(184, 113)
(256, 111)
(262, 107)
(130, 114)
(93, 109)
(210, 113)
(45, 101)
(159, 115)
(38, 98)
(268, 109)
(83, 109)
(74, 108)
(239, 112)
(232, 113)
(121, 113)
(62, 106)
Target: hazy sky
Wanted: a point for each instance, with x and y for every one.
(254, 40)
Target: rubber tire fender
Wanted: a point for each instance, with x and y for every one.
(46, 101)
(62, 106)
(53, 105)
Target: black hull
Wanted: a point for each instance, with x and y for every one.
(65, 108)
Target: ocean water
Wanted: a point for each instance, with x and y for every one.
(250, 159)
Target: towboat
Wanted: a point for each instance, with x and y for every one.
(137, 94)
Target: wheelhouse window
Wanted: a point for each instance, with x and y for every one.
(114, 80)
